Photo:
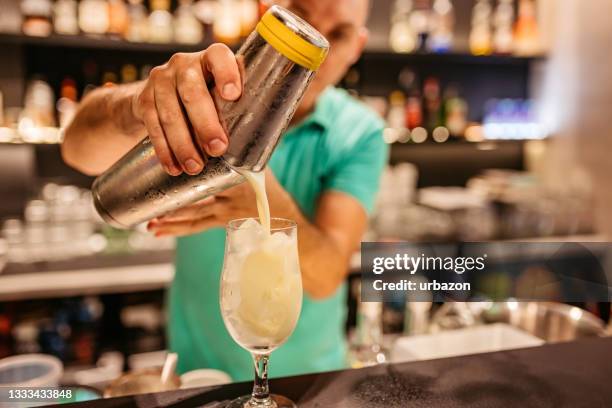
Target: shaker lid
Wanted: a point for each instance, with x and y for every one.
(293, 37)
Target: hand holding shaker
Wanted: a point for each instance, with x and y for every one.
(280, 58)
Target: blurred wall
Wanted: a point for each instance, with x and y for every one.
(574, 91)
(592, 125)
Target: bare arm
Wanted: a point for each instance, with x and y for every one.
(326, 245)
(174, 107)
(103, 130)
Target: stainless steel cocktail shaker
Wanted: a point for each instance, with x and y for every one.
(280, 58)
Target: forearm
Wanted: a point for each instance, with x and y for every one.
(103, 129)
(324, 264)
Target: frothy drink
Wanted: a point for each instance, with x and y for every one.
(261, 287)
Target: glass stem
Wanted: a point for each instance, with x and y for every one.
(261, 391)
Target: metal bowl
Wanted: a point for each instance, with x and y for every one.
(141, 382)
(552, 322)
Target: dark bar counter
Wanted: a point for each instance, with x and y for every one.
(577, 374)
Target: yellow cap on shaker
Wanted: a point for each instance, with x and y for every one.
(302, 44)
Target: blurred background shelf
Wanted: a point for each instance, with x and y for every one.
(97, 42)
(85, 282)
(461, 160)
(92, 261)
(453, 57)
(118, 44)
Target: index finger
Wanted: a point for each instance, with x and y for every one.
(220, 62)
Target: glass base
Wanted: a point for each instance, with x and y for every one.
(275, 401)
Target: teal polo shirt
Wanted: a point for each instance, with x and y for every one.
(338, 147)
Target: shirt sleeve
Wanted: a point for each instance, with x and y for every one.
(359, 171)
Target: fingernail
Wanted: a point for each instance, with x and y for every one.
(230, 91)
(216, 147)
(192, 166)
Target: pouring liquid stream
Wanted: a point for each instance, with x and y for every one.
(257, 180)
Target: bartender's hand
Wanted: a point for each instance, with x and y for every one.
(175, 102)
(234, 203)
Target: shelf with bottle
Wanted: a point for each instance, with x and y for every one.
(370, 53)
(35, 122)
(414, 24)
(115, 24)
(59, 229)
(193, 26)
(496, 30)
(30, 135)
(45, 111)
(433, 114)
(98, 42)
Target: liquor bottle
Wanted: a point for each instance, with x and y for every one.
(25, 337)
(365, 348)
(65, 19)
(369, 323)
(109, 78)
(420, 20)
(67, 103)
(118, 18)
(39, 103)
(402, 37)
(432, 103)
(396, 113)
(36, 17)
(138, 28)
(249, 16)
(160, 22)
(5, 336)
(129, 73)
(205, 11)
(226, 27)
(443, 21)
(455, 112)
(264, 5)
(187, 28)
(11, 18)
(503, 21)
(526, 32)
(480, 33)
(93, 16)
(90, 74)
(414, 110)
(417, 310)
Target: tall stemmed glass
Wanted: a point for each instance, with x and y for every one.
(261, 296)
